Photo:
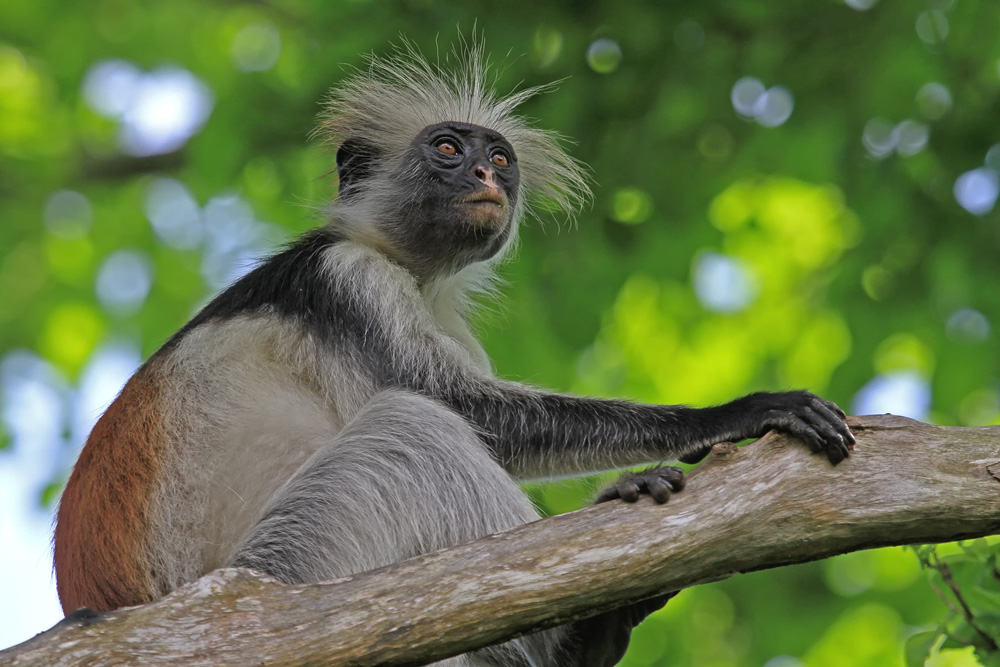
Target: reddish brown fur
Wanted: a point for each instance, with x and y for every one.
(102, 527)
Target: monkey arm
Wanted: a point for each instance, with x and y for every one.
(372, 316)
(533, 432)
(536, 433)
(539, 433)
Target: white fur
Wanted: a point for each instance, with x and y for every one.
(388, 104)
(279, 440)
(397, 97)
(256, 405)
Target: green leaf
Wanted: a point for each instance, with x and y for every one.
(989, 624)
(960, 634)
(918, 647)
(50, 493)
(988, 658)
(980, 548)
(989, 576)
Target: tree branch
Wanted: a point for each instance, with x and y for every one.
(761, 506)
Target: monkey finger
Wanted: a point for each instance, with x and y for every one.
(821, 439)
(659, 489)
(847, 434)
(829, 435)
(797, 426)
(610, 493)
(831, 414)
(833, 407)
(835, 452)
(837, 439)
(629, 491)
(674, 476)
(833, 419)
(658, 481)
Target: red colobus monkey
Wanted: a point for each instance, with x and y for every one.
(331, 411)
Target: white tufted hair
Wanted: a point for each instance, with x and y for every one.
(392, 100)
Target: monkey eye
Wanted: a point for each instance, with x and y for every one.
(499, 159)
(446, 147)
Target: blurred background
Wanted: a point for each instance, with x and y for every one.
(794, 194)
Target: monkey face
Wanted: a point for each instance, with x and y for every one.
(450, 201)
(458, 187)
(474, 167)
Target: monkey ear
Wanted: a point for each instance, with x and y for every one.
(355, 162)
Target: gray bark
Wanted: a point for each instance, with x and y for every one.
(765, 505)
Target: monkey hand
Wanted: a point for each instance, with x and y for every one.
(817, 422)
(658, 481)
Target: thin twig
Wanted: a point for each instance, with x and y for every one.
(946, 575)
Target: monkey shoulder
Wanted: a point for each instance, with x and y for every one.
(323, 283)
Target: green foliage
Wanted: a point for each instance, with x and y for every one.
(843, 253)
(659, 344)
(966, 576)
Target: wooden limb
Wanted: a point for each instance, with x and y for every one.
(761, 506)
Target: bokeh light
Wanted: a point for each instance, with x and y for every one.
(744, 95)
(770, 107)
(34, 415)
(124, 280)
(882, 137)
(993, 158)
(604, 55)
(968, 325)
(158, 111)
(911, 137)
(878, 137)
(631, 206)
(256, 47)
(33, 408)
(68, 214)
(774, 107)
(932, 26)
(234, 240)
(110, 86)
(174, 214)
(784, 661)
(905, 393)
(980, 408)
(723, 284)
(102, 378)
(547, 44)
(977, 190)
(934, 100)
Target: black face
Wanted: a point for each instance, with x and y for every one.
(457, 188)
(472, 165)
(464, 194)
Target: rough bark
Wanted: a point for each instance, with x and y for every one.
(760, 506)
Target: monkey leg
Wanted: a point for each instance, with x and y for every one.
(405, 477)
(603, 639)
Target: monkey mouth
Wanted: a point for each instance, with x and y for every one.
(485, 197)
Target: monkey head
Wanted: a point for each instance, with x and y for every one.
(435, 169)
(454, 195)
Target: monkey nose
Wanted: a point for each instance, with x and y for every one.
(485, 176)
